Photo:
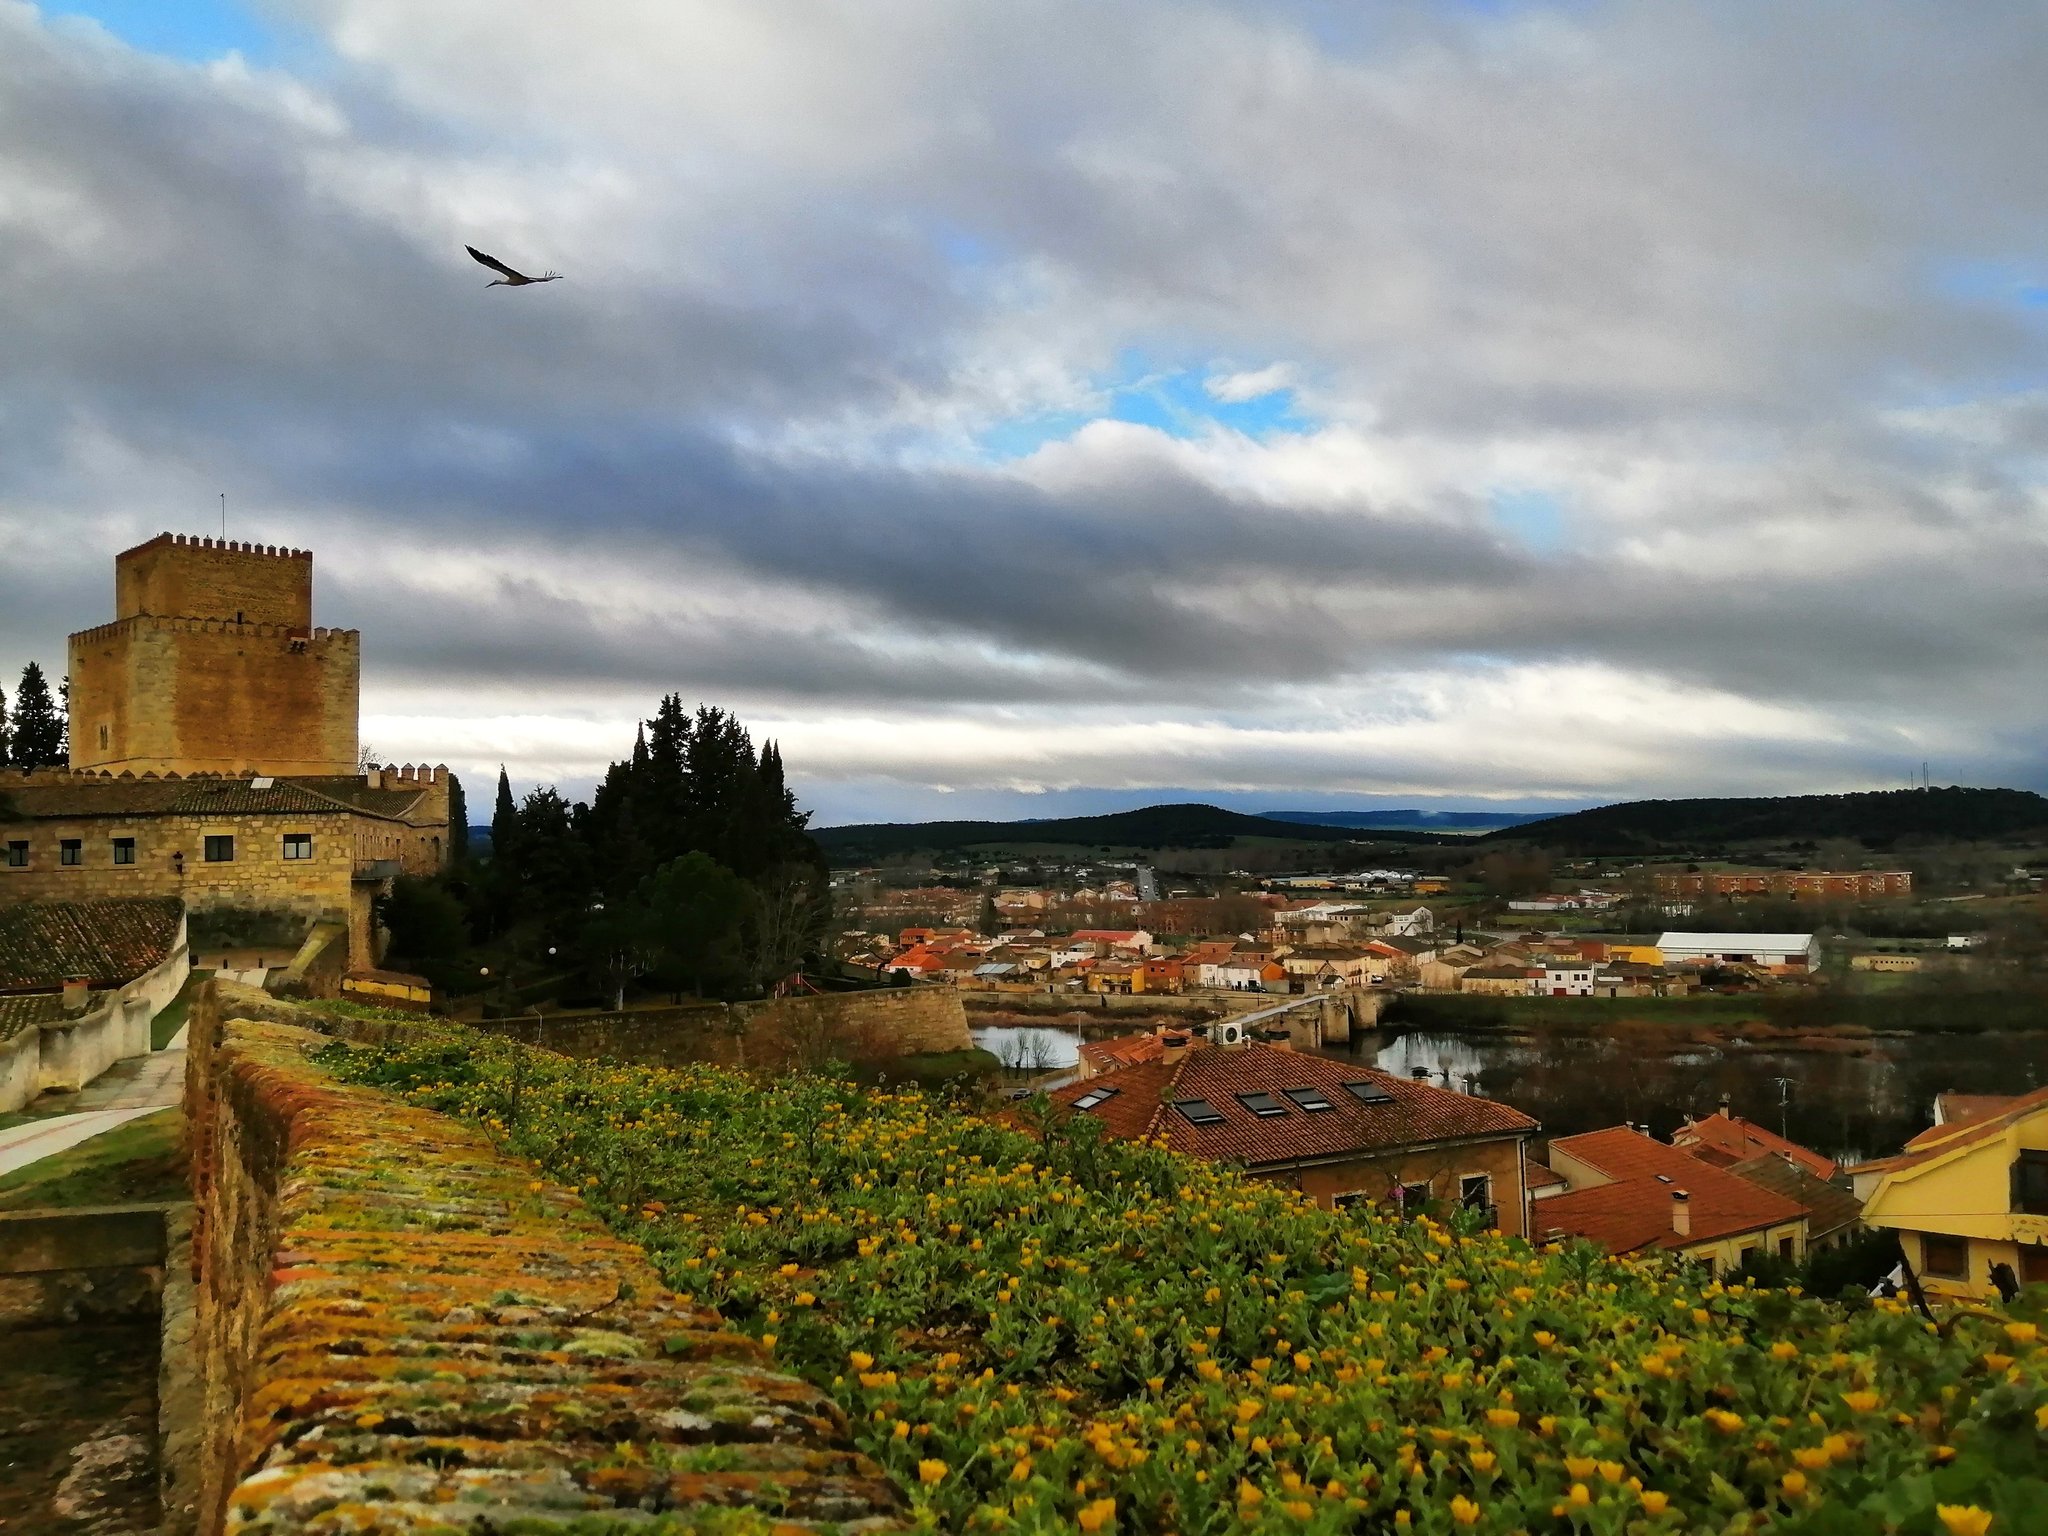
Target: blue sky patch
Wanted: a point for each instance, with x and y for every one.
(196, 30)
(1535, 518)
(1175, 401)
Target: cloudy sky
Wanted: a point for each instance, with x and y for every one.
(1031, 406)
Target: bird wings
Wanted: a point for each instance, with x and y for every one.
(496, 265)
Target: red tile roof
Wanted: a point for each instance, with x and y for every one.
(1829, 1207)
(1958, 1109)
(1124, 1051)
(1635, 1210)
(111, 942)
(1417, 1114)
(1724, 1140)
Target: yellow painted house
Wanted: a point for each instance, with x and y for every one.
(1636, 954)
(1967, 1196)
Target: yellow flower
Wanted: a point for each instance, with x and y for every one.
(1794, 1483)
(1784, 1349)
(1484, 1461)
(1812, 1457)
(929, 1472)
(2022, 1333)
(1580, 1494)
(806, 1299)
(1503, 1418)
(1963, 1519)
(1654, 1501)
(1248, 1410)
(1247, 1495)
(1464, 1511)
(1726, 1422)
(1861, 1402)
(1579, 1467)
(861, 1360)
(1093, 1517)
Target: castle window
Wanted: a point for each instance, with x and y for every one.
(106, 738)
(220, 850)
(124, 850)
(70, 852)
(298, 845)
(17, 855)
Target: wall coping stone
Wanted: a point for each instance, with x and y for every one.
(444, 1342)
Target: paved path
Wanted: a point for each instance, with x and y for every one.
(125, 1090)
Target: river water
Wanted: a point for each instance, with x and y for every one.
(1849, 1095)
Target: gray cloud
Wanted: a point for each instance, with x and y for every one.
(1747, 293)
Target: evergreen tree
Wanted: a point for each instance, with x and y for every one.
(4, 737)
(504, 818)
(38, 734)
(64, 720)
(458, 824)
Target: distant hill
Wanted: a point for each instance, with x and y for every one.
(1154, 826)
(1877, 819)
(1408, 819)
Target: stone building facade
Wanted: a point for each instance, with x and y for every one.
(214, 756)
(212, 665)
(311, 849)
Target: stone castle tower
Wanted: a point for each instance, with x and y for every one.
(212, 665)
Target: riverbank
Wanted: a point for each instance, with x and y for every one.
(1806, 1009)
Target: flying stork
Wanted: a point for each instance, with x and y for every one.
(511, 279)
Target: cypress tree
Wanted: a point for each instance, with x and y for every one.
(38, 735)
(4, 758)
(504, 817)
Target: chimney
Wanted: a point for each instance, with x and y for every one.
(77, 993)
(1173, 1044)
(1726, 1102)
(1681, 1212)
(1420, 1074)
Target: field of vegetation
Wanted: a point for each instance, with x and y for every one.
(1034, 1330)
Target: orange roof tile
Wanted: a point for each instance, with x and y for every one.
(1635, 1210)
(1724, 1140)
(1413, 1113)
(1942, 1139)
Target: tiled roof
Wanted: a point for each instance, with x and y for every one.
(1724, 1139)
(24, 1009)
(1415, 1113)
(1537, 1175)
(1829, 1207)
(1124, 1051)
(1635, 1210)
(111, 941)
(202, 796)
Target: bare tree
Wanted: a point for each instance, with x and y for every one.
(789, 911)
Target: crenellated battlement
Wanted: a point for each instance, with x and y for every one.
(406, 776)
(224, 546)
(319, 634)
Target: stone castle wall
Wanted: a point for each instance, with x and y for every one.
(178, 577)
(772, 1036)
(203, 695)
(212, 665)
(402, 1329)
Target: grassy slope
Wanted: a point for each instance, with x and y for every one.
(139, 1160)
(1037, 1336)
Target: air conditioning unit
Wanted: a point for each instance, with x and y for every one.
(1230, 1032)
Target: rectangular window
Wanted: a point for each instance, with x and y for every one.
(1413, 1197)
(1785, 1249)
(124, 850)
(1948, 1257)
(2030, 1183)
(1310, 1099)
(1475, 1190)
(1198, 1111)
(2034, 1266)
(220, 850)
(70, 852)
(298, 845)
(1264, 1105)
(17, 855)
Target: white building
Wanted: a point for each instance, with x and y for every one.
(1784, 951)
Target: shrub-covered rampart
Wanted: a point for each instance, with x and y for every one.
(1038, 1331)
(404, 1329)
